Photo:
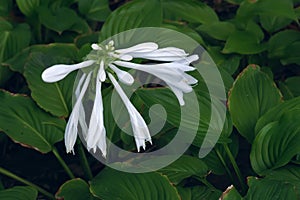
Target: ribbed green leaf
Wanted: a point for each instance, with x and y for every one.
(276, 112)
(251, 96)
(66, 51)
(280, 184)
(28, 7)
(185, 167)
(27, 124)
(13, 39)
(110, 184)
(76, 189)
(189, 10)
(277, 143)
(97, 10)
(19, 193)
(132, 15)
(55, 98)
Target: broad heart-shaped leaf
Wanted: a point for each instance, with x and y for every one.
(111, 184)
(189, 10)
(19, 193)
(277, 143)
(279, 184)
(28, 7)
(292, 85)
(62, 19)
(253, 94)
(217, 30)
(279, 8)
(75, 189)
(281, 41)
(274, 23)
(291, 54)
(55, 98)
(132, 15)
(276, 113)
(243, 42)
(13, 39)
(5, 7)
(67, 51)
(185, 167)
(23, 121)
(97, 10)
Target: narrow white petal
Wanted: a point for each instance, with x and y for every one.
(96, 47)
(188, 60)
(96, 132)
(125, 57)
(179, 94)
(82, 121)
(102, 71)
(142, 48)
(123, 76)
(165, 54)
(72, 125)
(139, 126)
(60, 71)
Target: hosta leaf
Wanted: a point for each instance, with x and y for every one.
(275, 113)
(28, 7)
(280, 8)
(189, 10)
(5, 7)
(292, 86)
(292, 54)
(274, 23)
(280, 184)
(282, 40)
(217, 30)
(27, 124)
(97, 10)
(55, 98)
(67, 51)
(13, 39)
(203, 192)
(76, 189)
(62, 19)
(251, 96)
(185, 167)
(243, 42)
(111, 184)
(231, 194)
(132, 15)
(19, 193)
(277, 143)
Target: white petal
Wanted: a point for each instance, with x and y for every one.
(123, 76)
(143, 47)
(96, 133)
(60, 71)
(165, 54)
(139, 126)
(96, 47)
(178, 93)
(102, 71)
(82, 121)
(72, 125)
(188, 60)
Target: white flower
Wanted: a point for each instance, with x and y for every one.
(104, 60)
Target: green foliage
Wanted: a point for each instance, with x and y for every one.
(256, 47)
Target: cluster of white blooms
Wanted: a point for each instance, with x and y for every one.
(106, 61)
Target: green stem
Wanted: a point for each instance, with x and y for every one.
(224, 164)
(13, 176)
(236, 168)
(205, 182)
(62, 162)
(84, 162)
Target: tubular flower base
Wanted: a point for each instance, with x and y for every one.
(104, 62)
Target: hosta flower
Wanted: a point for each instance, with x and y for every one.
(105, 62)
